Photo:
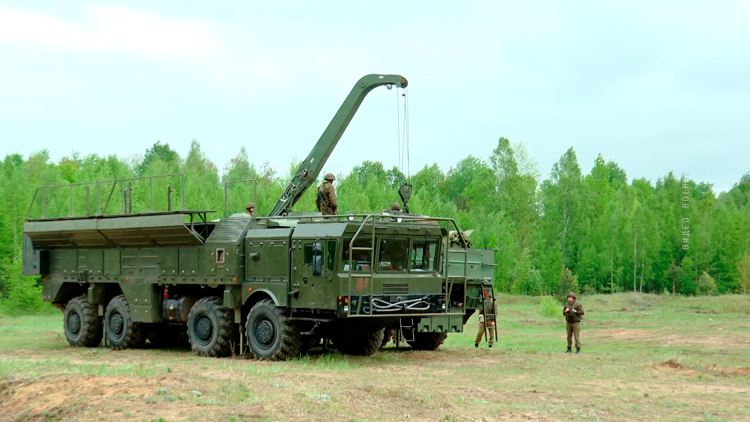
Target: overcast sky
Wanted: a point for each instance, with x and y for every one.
(655, 86)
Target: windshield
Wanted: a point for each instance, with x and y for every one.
(424, 254)
(394, 254)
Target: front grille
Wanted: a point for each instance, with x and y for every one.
(395, 289)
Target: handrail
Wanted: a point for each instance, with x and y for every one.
(125, 197)
(255, 195)
(371, 219)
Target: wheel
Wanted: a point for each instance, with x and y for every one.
(270, 333)
(211, 328)
(361, 344)
(83, 325)
(122, 332)
(389, 334)
(427, 341)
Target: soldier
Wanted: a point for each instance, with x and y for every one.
(250, 208)
(394, 207)
(326, 200)
(573, 311)
(487, 321)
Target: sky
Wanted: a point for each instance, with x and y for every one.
(654, 86)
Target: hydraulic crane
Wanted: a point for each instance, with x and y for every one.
(312, 165)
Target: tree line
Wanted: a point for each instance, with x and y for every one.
(595, 232)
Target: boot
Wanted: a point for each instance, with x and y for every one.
(476, 344)
(578, 350)
(568, 351)
(490, 345)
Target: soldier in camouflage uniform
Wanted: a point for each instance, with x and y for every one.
(326, 200)
(250, 208)
(487, 322)
(573, 311)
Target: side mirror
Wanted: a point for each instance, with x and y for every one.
(317, 259)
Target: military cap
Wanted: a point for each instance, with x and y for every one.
(330, 177)
(250, 205)
(573, 295)
(395, 206)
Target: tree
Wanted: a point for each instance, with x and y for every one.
(743, 269)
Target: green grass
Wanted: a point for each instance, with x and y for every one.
(621, 375)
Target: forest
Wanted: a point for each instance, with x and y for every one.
(595, 232)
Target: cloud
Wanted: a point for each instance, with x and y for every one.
(110, 29)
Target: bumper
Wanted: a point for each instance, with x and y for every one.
(384, 305)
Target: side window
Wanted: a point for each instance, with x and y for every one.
(331, 255)
(308, 254)
(220, 255)
(360, 259)
(423, 255)
(394, 254)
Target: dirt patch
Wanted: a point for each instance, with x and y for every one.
(710, 311)
(727, 371)
(673, 366)
(67, 395)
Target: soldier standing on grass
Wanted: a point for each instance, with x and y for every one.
(573, 311)
(487, 322)
(326, 200)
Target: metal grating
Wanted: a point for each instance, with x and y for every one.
(228, 230)
(395, 288)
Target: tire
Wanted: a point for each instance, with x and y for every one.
(122, 332)
(427, 341)
(390, 334)
(82, 324)
(361, 344)
(211, 328)
(270, 333)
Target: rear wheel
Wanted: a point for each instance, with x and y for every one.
(211, 328)
(83, 325)
(361, 344)
(270, 333)
(427, 341)
(122, 332)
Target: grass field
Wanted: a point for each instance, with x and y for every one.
(644, 358)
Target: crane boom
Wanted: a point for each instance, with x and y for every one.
(313, 164)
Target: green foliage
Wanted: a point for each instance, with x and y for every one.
(706, 285)
(549, 307)
(21, 294)
(589, 232)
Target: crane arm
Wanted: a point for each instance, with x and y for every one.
(310, 168)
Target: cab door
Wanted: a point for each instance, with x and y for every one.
(309, 277)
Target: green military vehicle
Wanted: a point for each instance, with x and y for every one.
(275, 285)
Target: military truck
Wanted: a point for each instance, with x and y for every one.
(274, 286)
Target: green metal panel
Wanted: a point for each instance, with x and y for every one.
(189, 261)
(144, 300)
(169, 261)
(208, 264)
(112, 262)
(277, 291)
(64, 262)
(441, 324)
(91, 260)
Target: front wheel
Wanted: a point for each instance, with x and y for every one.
(82, 324)
(211, 328)
(270, 333)
(122, 332)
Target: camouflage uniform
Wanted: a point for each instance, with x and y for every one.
(487, 321)
(250, 208)
(573, 313)
(326, 199)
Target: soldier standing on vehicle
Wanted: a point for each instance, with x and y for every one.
(573, 311)
(487, 322)
(326, 200)
(250, 208)
(394, 207)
